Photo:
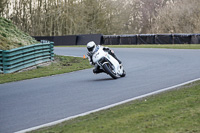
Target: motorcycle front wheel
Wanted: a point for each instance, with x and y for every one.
(109, 70)
(124, 74)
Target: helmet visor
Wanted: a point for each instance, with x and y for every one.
(90, 49)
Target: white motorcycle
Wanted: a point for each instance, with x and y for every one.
(108, 63)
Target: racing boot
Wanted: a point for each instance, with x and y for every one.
(97, 70)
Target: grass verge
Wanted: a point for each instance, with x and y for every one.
(62, 64)
(169, 112)
(174, 46)
(11, 37)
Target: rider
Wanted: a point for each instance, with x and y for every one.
(91, 46)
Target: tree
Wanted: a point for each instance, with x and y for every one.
(2, 5)
(182, 16)
(69, 17)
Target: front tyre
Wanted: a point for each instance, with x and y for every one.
(109, 70)
(123, 74)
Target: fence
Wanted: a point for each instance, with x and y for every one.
(135, 39)
(23, 57)
(151, 39)
(72, 39)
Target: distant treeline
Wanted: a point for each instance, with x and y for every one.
(71, 17)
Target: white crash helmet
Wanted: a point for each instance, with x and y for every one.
(91, 46)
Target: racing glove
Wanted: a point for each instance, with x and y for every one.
(90, 58)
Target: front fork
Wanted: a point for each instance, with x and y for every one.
(101, 62)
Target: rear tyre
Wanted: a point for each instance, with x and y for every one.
(109, 70)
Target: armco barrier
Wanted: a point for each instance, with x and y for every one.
(23, 57)
(1, 62)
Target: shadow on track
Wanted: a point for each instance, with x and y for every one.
(104, 79)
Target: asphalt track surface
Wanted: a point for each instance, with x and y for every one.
(29, 103)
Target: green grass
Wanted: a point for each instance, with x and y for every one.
(173, 46)
(176, 111)
(62, 64)
(12, 37)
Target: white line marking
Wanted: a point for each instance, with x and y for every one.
(104, 108)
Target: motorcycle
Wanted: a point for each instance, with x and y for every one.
(108, 63)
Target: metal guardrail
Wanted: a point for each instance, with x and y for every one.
(1, 61)
(16, 59)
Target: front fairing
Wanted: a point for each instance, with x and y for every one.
(98, 54)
